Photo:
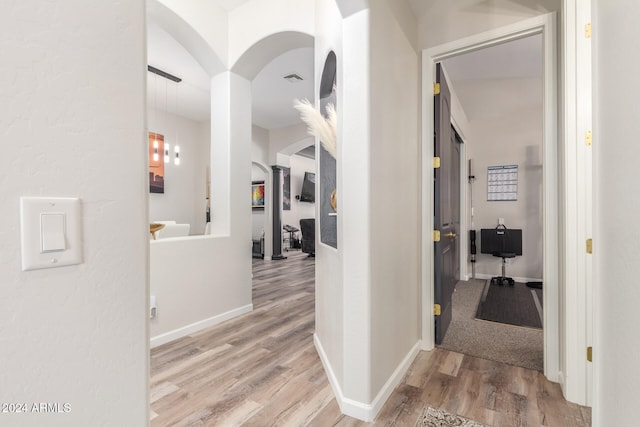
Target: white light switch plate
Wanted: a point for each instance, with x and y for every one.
(44, 248)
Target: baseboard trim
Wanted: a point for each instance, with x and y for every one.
(331, 376)
(394, 380)
(197, 326)
(484, 276)
(365, 411)
(562, 382)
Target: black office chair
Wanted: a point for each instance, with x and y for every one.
(503, 243)
(308, 230)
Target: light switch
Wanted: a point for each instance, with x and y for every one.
(52, 232)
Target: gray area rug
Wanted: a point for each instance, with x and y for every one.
(434, 417)
(516, 305)
(513, 345)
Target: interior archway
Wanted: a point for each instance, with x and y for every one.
(262, 52)
(187, 36)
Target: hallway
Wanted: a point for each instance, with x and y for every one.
(262, 369)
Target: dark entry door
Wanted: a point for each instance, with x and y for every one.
(446, 207)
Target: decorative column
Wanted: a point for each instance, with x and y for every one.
(276, 190)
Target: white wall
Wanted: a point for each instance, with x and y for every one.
(372, 278)
(330, 315)
(472, 17)
(183, 199)
(513, 139)
(247, 23)
(73, 124)
(191, 291)
(260, 145)
(394, 204)
(284, 142)
(202, 28)
(617, 203)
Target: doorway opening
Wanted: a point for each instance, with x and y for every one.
(491, 296)
(544, 26)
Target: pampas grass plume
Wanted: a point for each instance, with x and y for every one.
(318, 125)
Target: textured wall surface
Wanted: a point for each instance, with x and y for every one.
(72, 124)
(616, 343)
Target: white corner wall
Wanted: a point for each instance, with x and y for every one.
(372, 279)
(329, 335)
(73, 124)
(617, 202)
(394, 205)
(183, 199)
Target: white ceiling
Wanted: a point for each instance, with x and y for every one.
(273, 95)
(479, 78)
(494, 81)
(230, 4)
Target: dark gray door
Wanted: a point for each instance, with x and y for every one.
(446, 207)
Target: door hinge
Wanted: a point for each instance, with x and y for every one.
(588, 138)
(589, 246)
(436, 235)
(436, 88)
(587, 30)
(436, 309)
(436, 162)
(590, 354)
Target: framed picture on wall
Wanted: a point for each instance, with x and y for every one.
(156, 163)
(257, 195)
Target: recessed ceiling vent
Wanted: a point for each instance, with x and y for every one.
(293, 78)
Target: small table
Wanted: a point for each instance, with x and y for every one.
(155, 227)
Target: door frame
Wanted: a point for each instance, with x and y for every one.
(545, 25)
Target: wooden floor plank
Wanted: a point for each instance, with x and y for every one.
(262, 369)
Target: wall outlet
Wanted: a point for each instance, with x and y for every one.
(500, 221)
(152, 307)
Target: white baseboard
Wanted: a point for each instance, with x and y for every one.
(562, 382)
(365, 411)
(333, 380)
(394, 380)
(197, 326)
(484, 276)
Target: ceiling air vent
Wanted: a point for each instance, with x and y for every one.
(293, 78)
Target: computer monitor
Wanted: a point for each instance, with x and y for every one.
(500, 240)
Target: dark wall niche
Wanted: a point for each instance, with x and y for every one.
(327, 164)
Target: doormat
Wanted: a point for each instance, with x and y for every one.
(435, 417)
(516, 305)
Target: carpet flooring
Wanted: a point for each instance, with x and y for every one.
(513, 345)
(516, 305)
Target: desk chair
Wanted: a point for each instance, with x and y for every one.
(503, 243)
(308, 229)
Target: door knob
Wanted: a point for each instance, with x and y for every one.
(451, 235)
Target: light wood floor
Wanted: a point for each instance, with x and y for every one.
(261, 369)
